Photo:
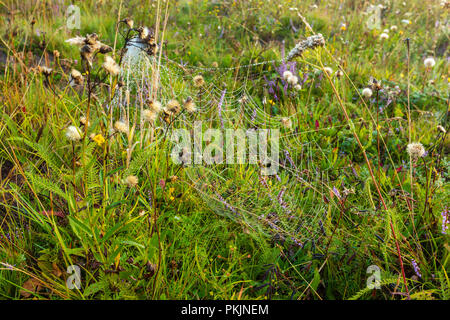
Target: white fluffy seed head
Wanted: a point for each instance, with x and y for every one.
(155, 106)
(149, 115)
(328, 70)
(429, 62)
(384, 36)
(367, 92)
(131, 181)
(121, 126)
(111, 66)
(189, 105)
(394, 28)
(292, 80)
(73, 133)
(287, 74)
(415, 150)
(298, 87)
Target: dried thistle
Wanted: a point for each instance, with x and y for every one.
(189, 105)
(415, 150)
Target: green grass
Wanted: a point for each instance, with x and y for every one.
(65, 203)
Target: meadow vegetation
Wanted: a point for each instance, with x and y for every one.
(87, 178)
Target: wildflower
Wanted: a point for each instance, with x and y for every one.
(415, 150)
(173, 107)
(189, 105)
(215, 64)
(367, 92)
(99, 139)
(286, 122)
(311, 42)
(111, 66)
(293, 80)
(131, 181)
(199, 81)
(75, 78)
(287, 74)
(441, 129)
(298, 87)
(339, 73)
(416, 268)
(73, 133)
(56, 54)
(45, 71)
(328, 70)
(343, 27)
(429, 62)
(121, 126)
(445, 220)
(394, 28)
(404, 21)
(384, 36)
(149, 115)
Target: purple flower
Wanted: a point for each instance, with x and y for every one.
(416, 268)
(336, 192)
(226, 204)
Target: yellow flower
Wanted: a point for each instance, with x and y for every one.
(99, 140)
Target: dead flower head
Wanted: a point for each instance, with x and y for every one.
(121, 126)
(131, 181)
(45, 70)
(189, 105)
(73, 133)
(89, 46)
(75, 78)
(149, 115)
(173, 107)
(199, 81)
(155, 106)
(415, 150)
(111, 66)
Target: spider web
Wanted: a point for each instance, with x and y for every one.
(288, 205)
